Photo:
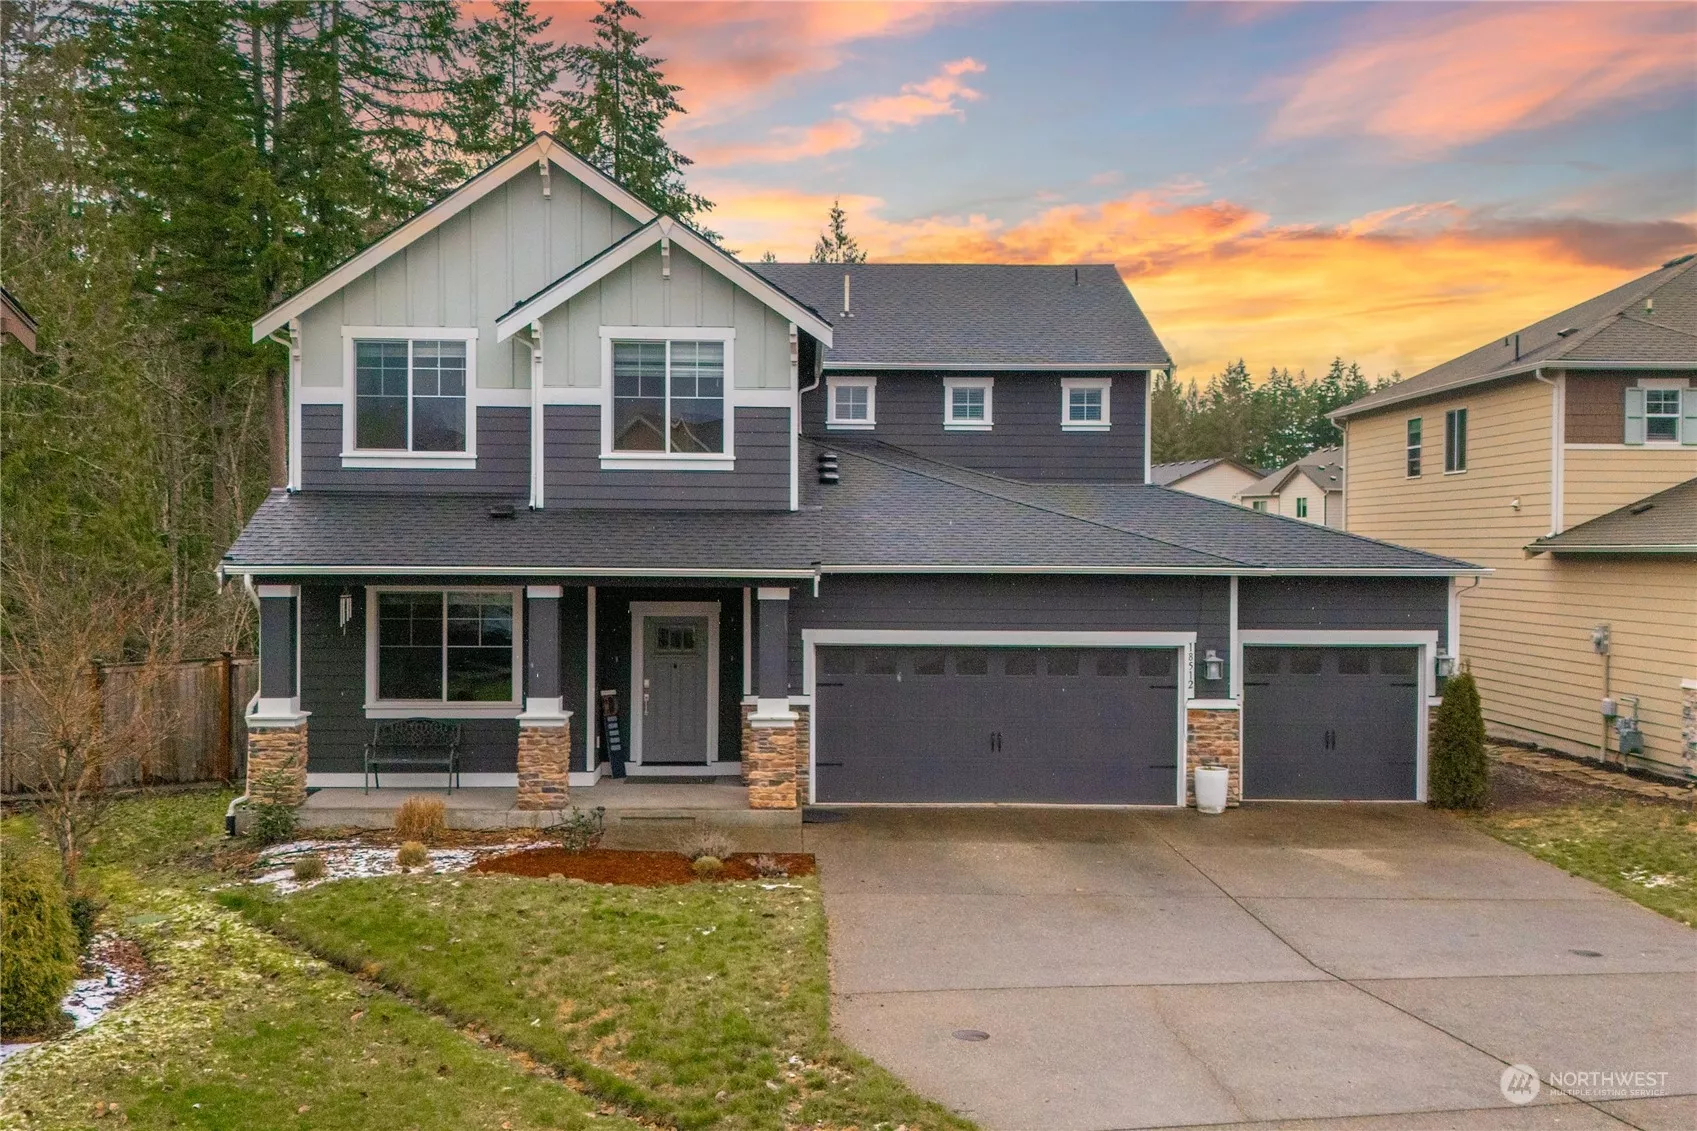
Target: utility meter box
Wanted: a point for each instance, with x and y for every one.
(1611, 709)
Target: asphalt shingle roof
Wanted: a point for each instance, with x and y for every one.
(918, 315)
(1650, 322)
(1322, 466)
(1663, 523)
(1166, 474)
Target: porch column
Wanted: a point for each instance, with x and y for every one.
(276, 725)
(771, 751)
(545, 742)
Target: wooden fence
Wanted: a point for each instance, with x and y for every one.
(204, 741)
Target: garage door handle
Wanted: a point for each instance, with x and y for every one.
(822, 683)
(832, 765)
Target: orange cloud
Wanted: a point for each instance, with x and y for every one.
(1469, 74)
(1399, 289)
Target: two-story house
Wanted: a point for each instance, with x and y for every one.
(1310, 488)
(1548, 455)
(877, 533)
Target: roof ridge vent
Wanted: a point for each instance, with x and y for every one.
(828, 468)
(1566, 330)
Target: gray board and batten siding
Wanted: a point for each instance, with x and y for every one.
(1026, 440)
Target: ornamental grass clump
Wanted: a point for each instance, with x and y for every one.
(706, 842)
(707, 867)
(1458, 768)
(412, 855)
(38, 946)
(309, 868)
(422, 819)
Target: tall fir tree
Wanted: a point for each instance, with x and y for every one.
(507, 77)
(835, 244)
(616, 115)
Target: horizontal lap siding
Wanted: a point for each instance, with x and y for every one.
(574, 478)
(1026, 442)
(1017, 603)
(503, 459)
(1597, 481)
(1344, 603)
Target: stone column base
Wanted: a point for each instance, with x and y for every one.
(769, 761)
(544, 765)
(276, 763)
(1212, 738)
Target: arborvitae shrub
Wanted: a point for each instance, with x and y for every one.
(1457, 746)
(38, 945)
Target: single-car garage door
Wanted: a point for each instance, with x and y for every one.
(1060, 725)
(1333, 724)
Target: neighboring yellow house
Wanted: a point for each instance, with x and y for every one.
(1504, 456)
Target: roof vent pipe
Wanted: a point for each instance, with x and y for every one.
(828, 473)
(846, 313)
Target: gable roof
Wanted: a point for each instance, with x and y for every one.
(1663, 523)
(1169, 474)
(1323, 467)
(621, 252)
(1649, 323)
(542, 148)
(975, 316)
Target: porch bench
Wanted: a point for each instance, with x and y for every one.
(411, 743)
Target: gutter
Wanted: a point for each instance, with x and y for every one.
(1358, 409)
(1629, 548)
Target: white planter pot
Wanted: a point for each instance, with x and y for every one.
(1211, 786)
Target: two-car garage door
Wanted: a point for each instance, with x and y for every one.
(971, 724)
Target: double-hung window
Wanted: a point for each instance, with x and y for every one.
(1661, 410)
(409, 395)
(1414, 448)
(852, 402)
(968, 404)
(1301, 508)
(1661, 415)
(437, 649)
(1084, 404)
(668, 398)
(1455, 440)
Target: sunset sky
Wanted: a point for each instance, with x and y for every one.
(1395, 183)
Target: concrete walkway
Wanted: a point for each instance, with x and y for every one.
(1356, 966)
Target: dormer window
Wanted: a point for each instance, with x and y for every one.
(410, 398)
(852, 402)
(967, 403)
(1084, 404)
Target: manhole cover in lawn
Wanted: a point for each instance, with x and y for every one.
(1587, 953)
(971, 1035)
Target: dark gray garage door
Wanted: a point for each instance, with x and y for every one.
(1336, 724)
(1063, 725)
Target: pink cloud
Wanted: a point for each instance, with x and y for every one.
(1460, 76)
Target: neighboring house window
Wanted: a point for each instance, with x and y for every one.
(1661, 414)
(967, 403)
(1455, 440)
(1302, 508)
(1661, 411)
(669, 397)
(1259, 504)
(851, 402)
(1414, 448)
(444, 646)
(1084, 404)
(410, 395)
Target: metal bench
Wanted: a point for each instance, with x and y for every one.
(413, 743)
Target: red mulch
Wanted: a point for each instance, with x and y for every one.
(643, 869)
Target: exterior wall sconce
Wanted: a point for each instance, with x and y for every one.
(1213, 668)
(1445, 665)
(345, 610)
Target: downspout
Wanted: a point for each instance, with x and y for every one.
(230, 810)
(1558, 462)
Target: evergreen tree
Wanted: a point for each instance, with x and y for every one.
(1459, 771)
(615, 117)
(835, 244)
(507, 78)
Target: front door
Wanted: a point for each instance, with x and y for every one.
(674, 692)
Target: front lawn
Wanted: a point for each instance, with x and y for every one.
(700, 1005)
(1645, 850)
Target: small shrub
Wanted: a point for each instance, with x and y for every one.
(412, 854)
(38, 945)
(706, 842)
(707, 866)
(421, 819)
(85, 912)
(582, 829)
(274, 818)
(769, 868)
(1457, 748)
(309, 868)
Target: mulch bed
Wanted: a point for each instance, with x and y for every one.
(642, 869)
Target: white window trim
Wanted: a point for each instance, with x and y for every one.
(1406, 446)
(612, 460)
(1681, 386)
(368, 458)
(832, 384)
(1466, 427)
(950, 384)
(376, 708)
(1068, 384)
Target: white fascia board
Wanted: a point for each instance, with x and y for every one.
(502, 571)
(1161, 571)
(727, 265)
(433, 217)
(996, 367)
(576, 281)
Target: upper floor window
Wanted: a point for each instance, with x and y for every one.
(967, 403)
(1084, 404)
(1258, 504)
(410, 395)
(1455, 440)
(669, 397)
(1302, 508)
(1414, 448)
(852, 402)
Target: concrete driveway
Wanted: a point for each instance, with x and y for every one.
(1358, 966)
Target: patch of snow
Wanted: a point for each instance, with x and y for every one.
(89, 998)
(1645, 878)
(352, 861)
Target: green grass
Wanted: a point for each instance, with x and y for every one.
(703, 1005)
(1644, 851)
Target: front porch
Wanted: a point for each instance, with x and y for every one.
(631, 805)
